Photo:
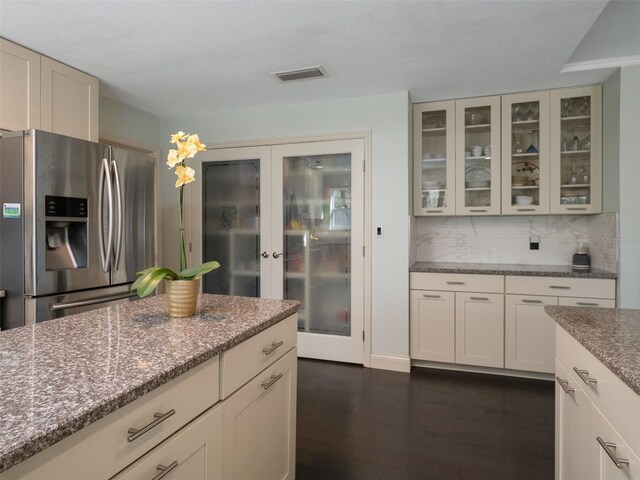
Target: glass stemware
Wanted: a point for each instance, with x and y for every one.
(566, 107)
(517, 114)
(573, 174)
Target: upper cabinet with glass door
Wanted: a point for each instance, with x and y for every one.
(434, 159)
(576, 150)
(478, 156)
(525, 153)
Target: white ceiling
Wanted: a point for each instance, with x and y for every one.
(182, 57)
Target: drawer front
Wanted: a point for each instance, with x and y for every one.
(586, 302)
(102, 449)
(609, 394)
(561, 287)
(243, 362)
(456, 282)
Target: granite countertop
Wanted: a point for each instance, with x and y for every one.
(59, 376)
(612, 335)
(509, 269)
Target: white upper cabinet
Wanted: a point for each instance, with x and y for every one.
(576, 150)
(478, 156)
(38, 92)
(525, 153)
(19, 87)
(434, 159)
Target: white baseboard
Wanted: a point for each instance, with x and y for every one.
(395, 363)
(505, 372)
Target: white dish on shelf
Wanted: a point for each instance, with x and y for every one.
(477, 173)
(478, 183)
(524, 200)
(431, 184)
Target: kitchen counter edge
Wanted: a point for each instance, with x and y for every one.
(509, 269)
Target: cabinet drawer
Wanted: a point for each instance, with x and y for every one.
(586, 302)
(561, 287)
(102, 449)
(243, 362)
(456, 282)
(617, 402)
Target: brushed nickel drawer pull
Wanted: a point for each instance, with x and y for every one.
(434, 211)
(576, 208)
(526, 300)
(134, 433)
(426, 295)
(584, 376)
(588, 304)
(164, 471)
(526, 209)
(478, 210)
(560, 287)
(274, 346)
(455, 283)
(610, 448)
(483, 299)
(565, 385)
(274, 379)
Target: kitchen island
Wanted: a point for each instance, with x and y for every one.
(66, 382)
(597, 371)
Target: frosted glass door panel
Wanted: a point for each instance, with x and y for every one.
(317, 241)
(231, 198)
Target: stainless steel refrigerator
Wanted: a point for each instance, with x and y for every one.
(77, 223)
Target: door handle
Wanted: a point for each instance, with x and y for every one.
(610, 449)
(105, 179)
(277, 255)
(265, 254)
(565, 385)
(165, 470)
(135, 433)
(120, 208)
(90, 301)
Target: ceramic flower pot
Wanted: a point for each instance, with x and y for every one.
(182, 297)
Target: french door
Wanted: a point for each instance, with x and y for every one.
(287, 221)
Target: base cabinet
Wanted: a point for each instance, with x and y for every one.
(259, 425)
(432, 326)
(480, 329)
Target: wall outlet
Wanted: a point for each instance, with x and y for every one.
(379, 231)
(534, 242)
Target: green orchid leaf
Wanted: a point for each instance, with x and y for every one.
(148, 282)
(197, 271)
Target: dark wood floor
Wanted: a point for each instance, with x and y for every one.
(358, 423)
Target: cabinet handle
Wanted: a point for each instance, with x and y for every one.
(478, 210)
(455, 283)
(274, 379)
(526, 300)
(265, 254)
(434, 211)
(274, 346)
(426, 295)
(610, 449)
(560, 287)
(134, 433)
(576, 208)
(164, 471)
(588, 304)
(584, 376)
(277, 255)
(565, 385)
(483, 299)
(526, 209)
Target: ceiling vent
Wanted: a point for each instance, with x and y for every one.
(301, 73)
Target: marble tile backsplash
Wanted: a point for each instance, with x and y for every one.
(505, 239)
(602, 235)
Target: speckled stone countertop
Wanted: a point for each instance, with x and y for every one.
(612, 335)
(509, 269)
(59, 376)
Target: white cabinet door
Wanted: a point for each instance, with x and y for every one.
(259, 425)
(576, 449)
(617, 462)
(432, 324)
(193, 453)
(576, 150)
(480, 329)
(478, 156)
(434, 156)
(69, 101)
(529, 333)
(19, 87)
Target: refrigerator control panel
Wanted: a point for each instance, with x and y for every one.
(65, 207)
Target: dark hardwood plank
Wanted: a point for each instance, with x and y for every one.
(358, 423)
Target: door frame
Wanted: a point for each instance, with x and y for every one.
(195, 256)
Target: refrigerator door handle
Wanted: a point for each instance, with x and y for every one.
(120, 208)
(105, 179)
(90, 301)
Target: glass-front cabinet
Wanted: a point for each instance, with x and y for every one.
(478, 156)
(434, 159)
(576, 150)
(525, 153)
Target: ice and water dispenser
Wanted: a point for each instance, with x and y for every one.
(66, 233)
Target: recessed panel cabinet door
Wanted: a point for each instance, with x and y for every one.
(433, 325)
(480, 329)
(618, 461)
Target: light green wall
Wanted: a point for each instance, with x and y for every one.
(611, 144)
(127, 123)
(629, 275)
(387, 118)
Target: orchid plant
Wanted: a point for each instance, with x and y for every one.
(187, 147)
